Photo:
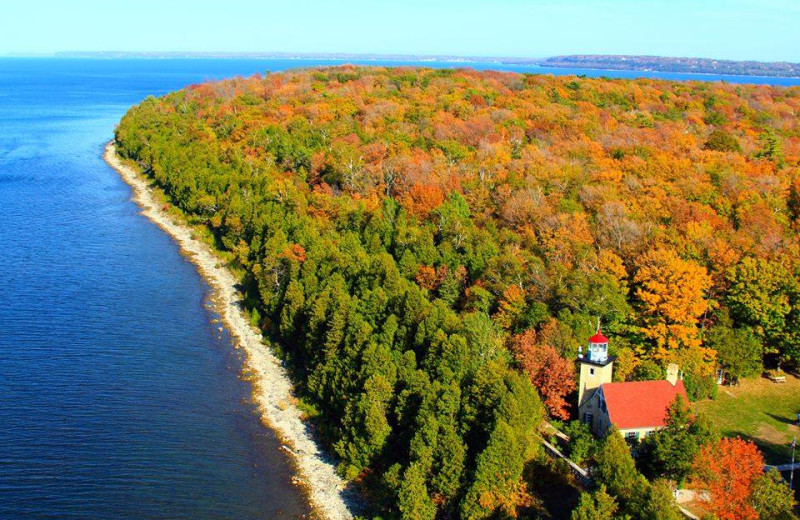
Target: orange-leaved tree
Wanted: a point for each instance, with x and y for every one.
(552, 375)
(728, 470)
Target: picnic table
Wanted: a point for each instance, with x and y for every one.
(777, 379)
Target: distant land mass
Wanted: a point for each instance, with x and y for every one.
(585, 61)
(686, 65)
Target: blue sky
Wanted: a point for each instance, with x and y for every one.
(733, 29)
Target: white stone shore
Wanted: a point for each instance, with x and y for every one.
(272, 388)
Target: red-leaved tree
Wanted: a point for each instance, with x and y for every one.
(727, 470)
(552, 375)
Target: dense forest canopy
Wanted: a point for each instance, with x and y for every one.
(429, 247)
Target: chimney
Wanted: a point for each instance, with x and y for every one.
(672, 374)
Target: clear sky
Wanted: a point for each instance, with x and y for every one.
(732, 29)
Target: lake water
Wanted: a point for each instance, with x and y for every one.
(119, 397)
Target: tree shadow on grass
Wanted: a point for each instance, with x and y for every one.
(774, 454)
(784, 419)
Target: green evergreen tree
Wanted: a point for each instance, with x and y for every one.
(670, 451)
(615, 467)
(655, 502)
(414, 499)
(595, 506)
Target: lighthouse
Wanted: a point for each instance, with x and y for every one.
(636, 408)
(596, 367)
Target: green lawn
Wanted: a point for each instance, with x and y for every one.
(761, 411)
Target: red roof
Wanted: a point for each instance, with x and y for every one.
(640, 404)
(598, 338)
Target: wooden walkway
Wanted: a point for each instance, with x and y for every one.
(582, 474)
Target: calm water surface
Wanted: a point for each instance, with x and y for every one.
(119, 398)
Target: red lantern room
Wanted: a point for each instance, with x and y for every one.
(598, 348)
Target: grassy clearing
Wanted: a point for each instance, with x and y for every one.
(761, 411)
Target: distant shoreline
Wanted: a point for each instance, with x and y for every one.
(272, 388)
(638, 66)
(676, 65)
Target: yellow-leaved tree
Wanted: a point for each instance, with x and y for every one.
(672, 296)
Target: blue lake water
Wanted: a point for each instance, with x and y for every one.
(119, 398)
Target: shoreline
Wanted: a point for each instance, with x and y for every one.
(271, 386)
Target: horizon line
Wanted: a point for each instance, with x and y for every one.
(120, 54)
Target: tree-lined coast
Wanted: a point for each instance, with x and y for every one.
(421, 245)
(272, 389)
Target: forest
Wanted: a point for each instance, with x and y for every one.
(427, 249)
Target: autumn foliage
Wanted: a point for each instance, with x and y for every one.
(727, 470)
(676, 182)
(430, 247)
(672, 292)
(552, 375)
(295, 252)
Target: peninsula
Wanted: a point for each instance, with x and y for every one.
(428, 251)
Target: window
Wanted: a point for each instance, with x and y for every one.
(588, 418)
(591, 371)
(631, 436)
